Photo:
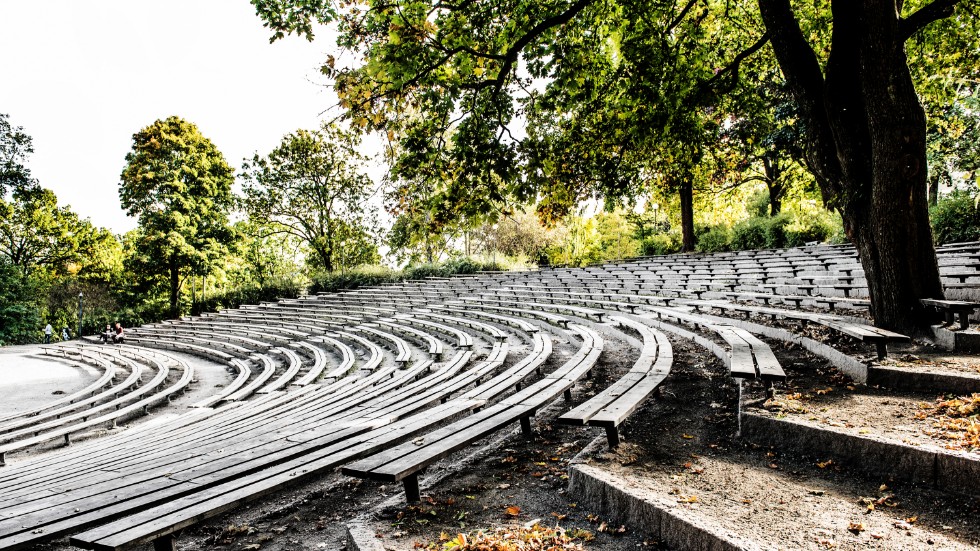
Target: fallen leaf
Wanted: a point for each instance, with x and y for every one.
(855, 527)
(513, 511)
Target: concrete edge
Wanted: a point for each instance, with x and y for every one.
(897, 378)
(361, 538)
(873, 456)
(957, 341)
(600, 490)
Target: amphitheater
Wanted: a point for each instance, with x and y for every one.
(727, 401)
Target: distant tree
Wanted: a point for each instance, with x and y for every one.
(36, 233)
(312, 187)
(264, 255)
(178, 185)
(19, 308)
(953, 143)
(15, 146)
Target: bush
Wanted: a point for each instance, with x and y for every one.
(234, 298)
(750, 233)
(660, 244)
(367, 276)
(955, 218)
(776, 230)
(716, 239)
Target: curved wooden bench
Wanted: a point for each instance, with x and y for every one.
(403, 463)
(244, 371)
(319, 363)
(110, 417)
(609, 408)
(518, 323)
(268, 369)
(376, 356)
(190, 348)
(127, 385)
(347, 357)
(403, 353)
(108, 373)
(436, 347)
(295, 363)
(463, 339)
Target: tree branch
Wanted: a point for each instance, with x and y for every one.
(536, 31)
(934, 11)
(732, 68)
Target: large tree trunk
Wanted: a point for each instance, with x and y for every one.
(774, 182)
(867, 148)
(686, 191)
(174, 290)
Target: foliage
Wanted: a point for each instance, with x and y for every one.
(178, 185)
(36, 233)
(15, 146)
(751, 233)
(716, 239)
(956, 218)
(312, 187)
(518, 235)
(365, 276)
(516, 538)
(262, 255)
(954, 141)
(955, 420)
(660, 244)
(20, 318)
(270, 290)
(622, 103)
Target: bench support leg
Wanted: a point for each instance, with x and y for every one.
(165, 543)
(412, 494)
(526, 426)
(964, 321)
(949, 317)
(568, 395)
(612, 435)
(880, 347)
(3, 459)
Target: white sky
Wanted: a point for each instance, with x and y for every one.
(83, 77)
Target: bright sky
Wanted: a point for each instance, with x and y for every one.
(83, 77)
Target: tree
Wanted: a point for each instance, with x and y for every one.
(461, 66)
(311, 186)
(953, 142)
(178, 185)
(15, 146)
(866, 140)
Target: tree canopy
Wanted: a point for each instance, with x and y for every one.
(177, 183)
(312, 186)
(502, 101)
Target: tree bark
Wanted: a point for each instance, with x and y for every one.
(686, 191)
(174, 290)
(866, 147)
(774, 183)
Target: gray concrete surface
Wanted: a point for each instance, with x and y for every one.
(28, 380)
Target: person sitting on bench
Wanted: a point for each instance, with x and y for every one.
(106, 335)
(118, 337)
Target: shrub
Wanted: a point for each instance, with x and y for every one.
(660, 244)
(955, 218)
(716, 239)
(366, 276)
(750, 233)
(776, 230)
